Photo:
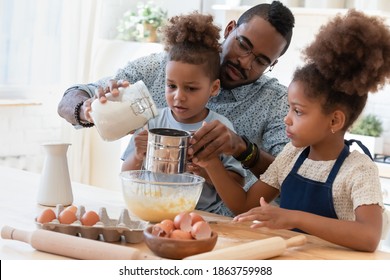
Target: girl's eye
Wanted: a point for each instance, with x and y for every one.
(297, 112)
(171, 86)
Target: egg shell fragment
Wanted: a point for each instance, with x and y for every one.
(201, 230)
(183, 221)
(195, 217)
(162, 230)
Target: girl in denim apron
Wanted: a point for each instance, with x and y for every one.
(325, 189)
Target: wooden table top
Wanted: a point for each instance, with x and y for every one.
(18, 196)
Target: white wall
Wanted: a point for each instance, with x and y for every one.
(25, 128)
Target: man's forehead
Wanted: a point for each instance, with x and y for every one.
(262, 34)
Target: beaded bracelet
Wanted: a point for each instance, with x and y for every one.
(77, 116)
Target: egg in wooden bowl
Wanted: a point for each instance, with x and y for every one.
(180, 238)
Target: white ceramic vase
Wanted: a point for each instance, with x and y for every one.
(55, 185)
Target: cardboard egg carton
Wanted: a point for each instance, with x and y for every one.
(107, 229)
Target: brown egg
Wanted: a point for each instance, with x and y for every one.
(72, 208)
(67, 217)
(179, 234)
(195, 218)
(46, 216)
(90, 218)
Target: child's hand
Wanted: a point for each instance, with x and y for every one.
(267, 216)
(207, 163)
(197, 170)
(141, 144)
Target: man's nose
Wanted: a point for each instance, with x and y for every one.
(247, 61)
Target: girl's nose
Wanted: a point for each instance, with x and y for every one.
(287, 120)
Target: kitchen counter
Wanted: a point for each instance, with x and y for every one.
(18, 194)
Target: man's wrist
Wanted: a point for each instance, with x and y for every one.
(252, 159)
(248, 150)
(77, 116)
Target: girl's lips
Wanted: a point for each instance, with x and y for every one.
(289, 134)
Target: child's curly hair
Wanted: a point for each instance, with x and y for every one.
(349, 58)
(193, 39)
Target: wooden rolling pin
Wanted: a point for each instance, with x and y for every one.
(256, 250)
(73, 246)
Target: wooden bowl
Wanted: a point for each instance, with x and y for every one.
(177, 248)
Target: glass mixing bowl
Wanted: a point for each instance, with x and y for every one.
(154, 196)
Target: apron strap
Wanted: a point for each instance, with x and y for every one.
(300, 159)
(360, 144)
(336, 167)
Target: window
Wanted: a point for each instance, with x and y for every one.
(30, 44)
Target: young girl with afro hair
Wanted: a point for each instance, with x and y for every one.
(325, 190)
(192, 77)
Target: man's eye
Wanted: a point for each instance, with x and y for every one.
(243, 45)
(261, 61)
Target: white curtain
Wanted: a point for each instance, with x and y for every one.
(48, 43)
(79, 33)
(30, 38)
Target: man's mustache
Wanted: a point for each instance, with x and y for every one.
(238, 68)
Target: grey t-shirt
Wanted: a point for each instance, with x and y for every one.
(209, 200)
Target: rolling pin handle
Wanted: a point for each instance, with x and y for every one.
(296, 241)
(6, 232)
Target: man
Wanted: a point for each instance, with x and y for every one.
(254, 103)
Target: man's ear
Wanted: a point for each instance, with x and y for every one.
(338, 121)
(229, 28)
(271, 67)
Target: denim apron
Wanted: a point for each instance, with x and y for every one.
(299, 193)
